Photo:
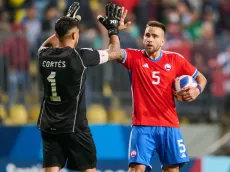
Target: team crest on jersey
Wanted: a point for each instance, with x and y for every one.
(168, 67)
(133, 154)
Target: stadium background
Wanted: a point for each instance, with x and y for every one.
(198, 29)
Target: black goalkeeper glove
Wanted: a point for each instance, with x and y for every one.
(72, 12)
(112, 18)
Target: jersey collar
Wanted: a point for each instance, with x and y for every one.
(157, 59)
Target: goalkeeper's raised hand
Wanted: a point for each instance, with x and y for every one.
(73, 9)
(122, 24)
(112, 18)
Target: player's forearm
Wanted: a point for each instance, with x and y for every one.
(52, 41)
(114, 50)
(201, 81)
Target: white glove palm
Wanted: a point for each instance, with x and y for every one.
(72, 12)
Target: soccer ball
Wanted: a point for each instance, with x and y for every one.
(182, 82)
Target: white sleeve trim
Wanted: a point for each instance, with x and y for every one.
(42, 48)
(104, 56)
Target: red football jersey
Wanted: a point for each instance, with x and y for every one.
(152, 80)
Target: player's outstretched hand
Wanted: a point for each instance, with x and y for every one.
(112, 18)
(122, 24)
(190, 94)
(73, 9)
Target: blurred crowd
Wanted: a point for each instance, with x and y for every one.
(197, 29)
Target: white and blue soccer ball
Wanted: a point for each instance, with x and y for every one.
(183, 82)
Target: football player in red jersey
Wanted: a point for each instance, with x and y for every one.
(155, 126)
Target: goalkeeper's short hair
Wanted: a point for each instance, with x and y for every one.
(63, 25)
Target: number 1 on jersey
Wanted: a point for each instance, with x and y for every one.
(156, 77)
(52, 80)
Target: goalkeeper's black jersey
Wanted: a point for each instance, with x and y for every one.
(63, 74)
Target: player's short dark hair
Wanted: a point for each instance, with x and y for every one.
(63, 25)
(156, 24)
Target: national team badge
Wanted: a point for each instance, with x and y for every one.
(133, 154)
(168, 67)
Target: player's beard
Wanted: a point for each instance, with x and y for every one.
(153, 49)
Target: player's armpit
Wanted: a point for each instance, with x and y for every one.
(122, 56)
(52, 41)
(201, 81)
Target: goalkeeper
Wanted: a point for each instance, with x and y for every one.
(62, 120)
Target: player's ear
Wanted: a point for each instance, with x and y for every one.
(74, 35)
